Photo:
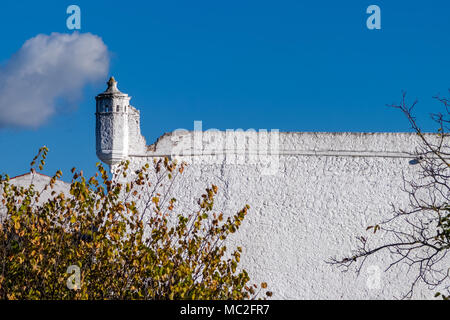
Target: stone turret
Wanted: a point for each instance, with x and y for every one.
(118, 133)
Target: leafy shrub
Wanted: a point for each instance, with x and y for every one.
(125, 238)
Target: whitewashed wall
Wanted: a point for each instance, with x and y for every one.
(328, 187)
(39, 181)
(310, 195)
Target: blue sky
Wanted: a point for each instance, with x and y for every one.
(287, 65)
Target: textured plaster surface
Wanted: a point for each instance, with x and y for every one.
(310, 195)
(327, 188)
(40, 182)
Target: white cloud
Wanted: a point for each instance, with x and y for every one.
(47, 69)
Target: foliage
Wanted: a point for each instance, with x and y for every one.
(419, 236)
(125, 238)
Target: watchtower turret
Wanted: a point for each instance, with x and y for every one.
(118, 132)
(112, 129)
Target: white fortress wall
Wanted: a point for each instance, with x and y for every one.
(310, 195)
(323, 190)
